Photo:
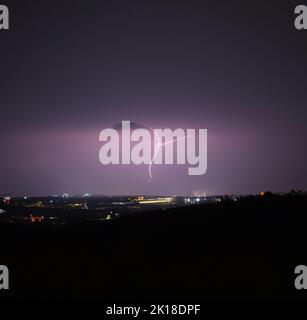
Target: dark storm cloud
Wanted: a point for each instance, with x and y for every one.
(72, 68)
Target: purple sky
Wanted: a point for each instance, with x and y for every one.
(70, 69)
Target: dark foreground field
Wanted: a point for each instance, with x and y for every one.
(246, 249)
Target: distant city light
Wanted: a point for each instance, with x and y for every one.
(153, 201)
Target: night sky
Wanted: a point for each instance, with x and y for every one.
(71, 68)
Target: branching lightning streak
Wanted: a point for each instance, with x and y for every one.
(159, 144)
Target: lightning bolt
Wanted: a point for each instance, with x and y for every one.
(157, 147)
